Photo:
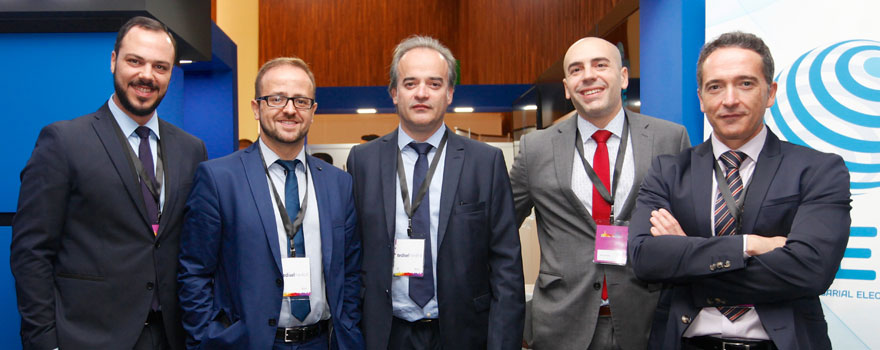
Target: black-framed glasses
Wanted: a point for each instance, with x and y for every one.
(280, 101)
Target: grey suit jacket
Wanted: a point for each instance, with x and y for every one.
(567, 295)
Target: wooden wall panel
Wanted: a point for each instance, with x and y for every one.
(349, 43)
(514, 41)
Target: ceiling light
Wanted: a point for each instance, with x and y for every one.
(463, 109)
(366, 111)
(530, 108)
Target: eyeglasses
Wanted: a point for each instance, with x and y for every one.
(279, 101)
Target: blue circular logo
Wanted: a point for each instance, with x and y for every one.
(829, 100)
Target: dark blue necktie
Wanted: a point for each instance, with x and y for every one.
(145, 154)
(421, 289)
(299, 307)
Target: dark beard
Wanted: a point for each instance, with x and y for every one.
(128, 106)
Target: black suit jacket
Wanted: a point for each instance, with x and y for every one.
(84, 257)
(480, 287)
(795, 192)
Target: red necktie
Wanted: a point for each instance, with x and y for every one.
(601, 208)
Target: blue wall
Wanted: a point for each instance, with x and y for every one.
(59, 76)
(671, 35)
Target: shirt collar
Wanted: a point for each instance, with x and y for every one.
(127, 124)
(403, 138)
(270, 156)
(587, 129)
(751, 148)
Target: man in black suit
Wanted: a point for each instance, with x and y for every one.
(442, 266)
(95, 239)
(748, 230)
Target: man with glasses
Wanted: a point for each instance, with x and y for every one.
(269, 253)
(94, 242)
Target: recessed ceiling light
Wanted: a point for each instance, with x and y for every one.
(463, 109)
(530, 107)
(366, 111)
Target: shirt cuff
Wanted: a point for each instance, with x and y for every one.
(745, 245)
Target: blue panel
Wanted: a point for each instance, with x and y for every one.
(73, 70)
(857, 253)
(209, 106)
(864, 275)
(8, 307)
(671, 35)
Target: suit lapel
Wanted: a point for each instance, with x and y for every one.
(563, 156)
(259, 186)
(167, 142)
(325, 210)
(451, 175)
(642, 146)
(107, 129)
(388, 168)
(702, 171)
(768, 162)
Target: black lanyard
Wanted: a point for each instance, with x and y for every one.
(408, 208)
(154, 187)
(618, 166)
(289, 228)
(736, 207)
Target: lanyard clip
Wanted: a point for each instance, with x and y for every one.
(409, 229)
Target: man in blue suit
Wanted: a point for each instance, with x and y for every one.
(442, 265)
(270, 257)
(748, 230)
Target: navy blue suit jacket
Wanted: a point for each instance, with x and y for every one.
(480, 287)
(85, 259)
(795, 192)
(230, 264)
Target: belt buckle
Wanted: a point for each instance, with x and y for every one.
(734, 345)
(290, 335)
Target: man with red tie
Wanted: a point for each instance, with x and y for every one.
(577, 174)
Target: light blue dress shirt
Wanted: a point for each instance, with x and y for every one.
(128, 126)
(402, 306)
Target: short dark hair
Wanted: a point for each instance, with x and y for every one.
(741, 40)
(283, 61)
(146, 23)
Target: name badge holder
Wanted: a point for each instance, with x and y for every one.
(611, 235)
(296, 270)
(409, 253)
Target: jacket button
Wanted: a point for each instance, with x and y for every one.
(727, 264)
(709, 301)
(158, 244)
(719, 265)
(272, 322)
(711, 267)
(597, 286)
(685, 319)
(279, 282)
(149, 285)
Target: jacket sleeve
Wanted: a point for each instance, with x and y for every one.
(36, 234)
(200, 242)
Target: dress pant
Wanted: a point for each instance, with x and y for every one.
(419, 335)
(603, 337)
(153, 335)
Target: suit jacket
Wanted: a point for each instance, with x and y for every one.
(565, 304)
(85, 260)
(480, 290)
(230, 275)
(795, 192)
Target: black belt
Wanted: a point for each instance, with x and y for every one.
(302, 334)
(604, 310)
(153, 317)
(712, 343)
(419, 321)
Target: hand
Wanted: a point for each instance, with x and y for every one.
(665, 224)
(758, 245)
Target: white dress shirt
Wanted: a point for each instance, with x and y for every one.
(710, 321)
(128, 126)
(402, 306)
(320, 310)
(581, 183)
